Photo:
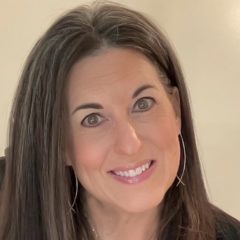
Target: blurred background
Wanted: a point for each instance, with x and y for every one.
(206, 37)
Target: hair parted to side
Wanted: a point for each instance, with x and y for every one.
(38, 187)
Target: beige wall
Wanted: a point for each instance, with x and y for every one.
(206, 35)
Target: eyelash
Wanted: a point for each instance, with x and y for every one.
(83, 122)
(152, 102)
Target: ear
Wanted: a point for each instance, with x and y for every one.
(67, 160)
(176, 102)
(68, 150)
(68, 157)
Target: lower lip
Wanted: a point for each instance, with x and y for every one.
(137, 179)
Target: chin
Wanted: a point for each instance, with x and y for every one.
(140, 205)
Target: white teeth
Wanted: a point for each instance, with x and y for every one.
(133, 172)
(139, 170)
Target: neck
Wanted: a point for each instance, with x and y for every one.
(110, 223)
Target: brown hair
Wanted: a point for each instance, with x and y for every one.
(38, 187)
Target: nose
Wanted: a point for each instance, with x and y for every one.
(127, 140)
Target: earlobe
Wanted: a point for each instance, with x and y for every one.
(176, 102)
(68, 152)
(68, 163)
(67, 160)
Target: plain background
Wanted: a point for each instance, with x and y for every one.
(206, 36)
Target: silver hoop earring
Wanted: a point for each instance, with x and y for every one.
(184, 162)
(76, 193)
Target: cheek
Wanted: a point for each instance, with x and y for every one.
(88, 152)
(166, 137)
(163, 134)
(164, 129)
(167, 143)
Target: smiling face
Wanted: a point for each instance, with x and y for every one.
(123, 136)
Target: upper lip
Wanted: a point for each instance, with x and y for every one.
(129, 167)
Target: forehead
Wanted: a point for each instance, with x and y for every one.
(113, 70)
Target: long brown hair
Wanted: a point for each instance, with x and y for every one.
(38, 188)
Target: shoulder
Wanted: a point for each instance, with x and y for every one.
(228, 231)
(227, 227)
(2, 169)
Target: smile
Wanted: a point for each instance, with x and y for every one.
(134, 175)
(133, 172)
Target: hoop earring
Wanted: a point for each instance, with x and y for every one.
(184, 162)
(76, 193)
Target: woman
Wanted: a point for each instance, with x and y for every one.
(101, 142)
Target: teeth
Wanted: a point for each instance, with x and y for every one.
(133, 172)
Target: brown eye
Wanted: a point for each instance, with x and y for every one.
(92, 120)
(143, 104)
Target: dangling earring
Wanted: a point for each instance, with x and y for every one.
(76, 193)
(184, 161)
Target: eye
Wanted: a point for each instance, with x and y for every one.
(144, 104)
(92, 120)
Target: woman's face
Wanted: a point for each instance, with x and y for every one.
(123, 141)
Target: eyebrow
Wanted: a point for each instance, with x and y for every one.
(98, 106)
(141, 89)
(88, 105)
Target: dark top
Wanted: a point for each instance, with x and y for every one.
(228, 228)
(2, 169)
